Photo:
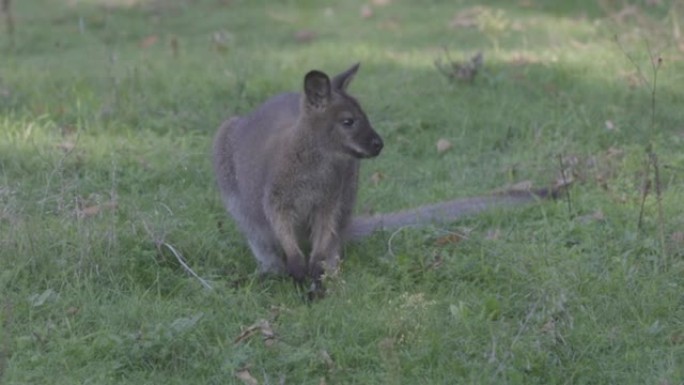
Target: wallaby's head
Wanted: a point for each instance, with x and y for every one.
(336, 117)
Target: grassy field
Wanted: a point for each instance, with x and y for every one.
(107, 111)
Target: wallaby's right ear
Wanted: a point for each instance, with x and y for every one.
(317, 89)
(341, 81)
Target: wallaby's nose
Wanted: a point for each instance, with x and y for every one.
(376, 144)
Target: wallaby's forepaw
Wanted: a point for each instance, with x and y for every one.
(316, 290)
(297, 271)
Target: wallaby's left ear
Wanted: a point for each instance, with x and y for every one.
(341, 81)
(317, 89)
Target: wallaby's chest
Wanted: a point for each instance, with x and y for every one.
(315, 183)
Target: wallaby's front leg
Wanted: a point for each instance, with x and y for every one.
(326, 246)
(284, 229)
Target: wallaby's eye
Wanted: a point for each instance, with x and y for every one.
(348, 122)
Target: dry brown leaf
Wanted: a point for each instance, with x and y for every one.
(596, 216)
(246, 377)
(366, 11)
(325, 356)
(174, 46)
(450, 239)
(90, 211)
(377, 177)
(466, 18)
(525, 185)
(493, 235)
(549, 327)
(443, 145)
(66, 146)
(148, 41)
(72, 310)
(389, 24)
(263, 326)
(678, 238)
(305, 36)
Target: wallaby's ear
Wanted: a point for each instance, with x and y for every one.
(341, 81)
(317, 88)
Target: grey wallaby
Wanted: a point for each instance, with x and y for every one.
(288, 173)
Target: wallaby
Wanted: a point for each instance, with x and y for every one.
(288, 173)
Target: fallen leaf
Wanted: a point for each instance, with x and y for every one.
(493, 235)
(610, 126)
(72, 310)
(325, 356)
(443, 145)
(95, 209)
(596, 216)
(366, 11)
(466, 18)
(148, 41)
(376, 178)
(305, 36)
(525, 185)
(678, 238)
(174, 46)
(246, 377)
(221, 40)
(66, 146)
(450, 239)
(263, 326)
(549, 327)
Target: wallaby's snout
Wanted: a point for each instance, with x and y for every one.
(373, 144)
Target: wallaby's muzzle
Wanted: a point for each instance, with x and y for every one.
(369, 146)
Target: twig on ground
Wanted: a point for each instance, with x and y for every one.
(187, 268)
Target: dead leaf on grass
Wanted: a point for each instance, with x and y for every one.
(366, 11)
(525, 185)
(678, 238)
(325, 356)
(449, 239)
(596, 216)
(305, 36)
(377, 177)
(246, 377)
(443, 145)
(93, 210)
(466, 18)
(67, 146)
(148, 41)
(262, 326)
(493, 234)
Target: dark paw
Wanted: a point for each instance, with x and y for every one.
(297, 271)
(316, 291)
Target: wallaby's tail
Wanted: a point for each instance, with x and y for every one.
(449, 211)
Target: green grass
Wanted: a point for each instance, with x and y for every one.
(104, 154)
